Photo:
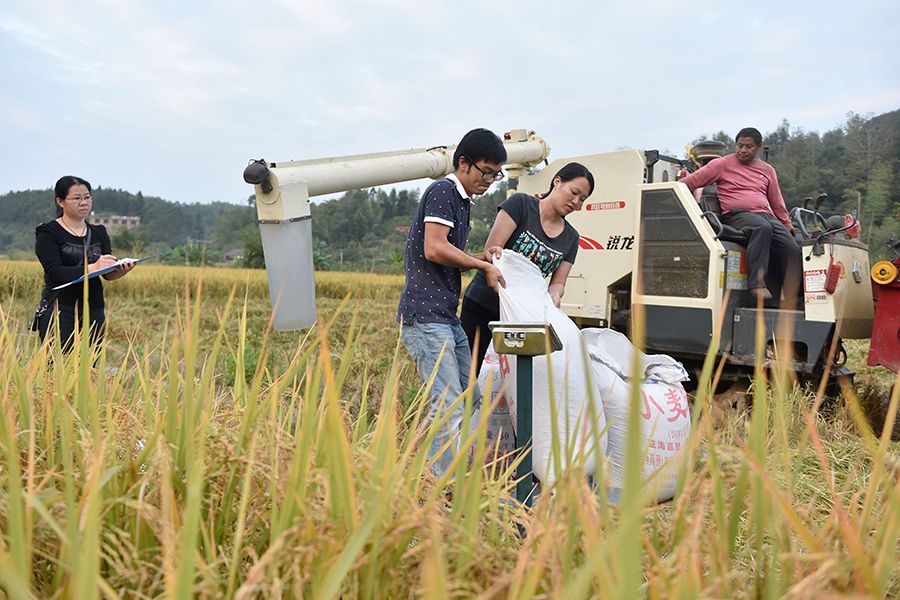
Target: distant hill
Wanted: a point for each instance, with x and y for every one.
(163, 222)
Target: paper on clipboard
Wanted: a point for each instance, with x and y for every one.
(105, 270)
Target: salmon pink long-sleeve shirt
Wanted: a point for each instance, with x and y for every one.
(752, 187)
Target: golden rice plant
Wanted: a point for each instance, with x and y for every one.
(143, 306)
(147, 477)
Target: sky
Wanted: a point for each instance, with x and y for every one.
(173, 98)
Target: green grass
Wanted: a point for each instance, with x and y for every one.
(204, 456)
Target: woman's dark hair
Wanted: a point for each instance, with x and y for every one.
(62, 190)
(480, 144)
(571, 171)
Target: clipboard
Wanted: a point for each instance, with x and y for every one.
(105, 270)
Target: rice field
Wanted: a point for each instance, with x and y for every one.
(201, 455)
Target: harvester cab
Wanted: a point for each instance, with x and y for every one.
(648, 244)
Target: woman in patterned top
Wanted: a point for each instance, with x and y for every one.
(536, 228)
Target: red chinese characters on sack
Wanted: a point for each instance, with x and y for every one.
(647, 401)
(676, 400)
(504, 365)
(661, 445)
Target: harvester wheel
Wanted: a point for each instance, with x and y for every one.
(884, 272)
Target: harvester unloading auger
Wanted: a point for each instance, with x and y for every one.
(646, 244)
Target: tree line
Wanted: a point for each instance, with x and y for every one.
(857, 163)
(170, 227)
(366, 230)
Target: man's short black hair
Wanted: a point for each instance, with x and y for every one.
(750, 132)
(480, 144)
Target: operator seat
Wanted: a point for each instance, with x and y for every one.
(709, 203)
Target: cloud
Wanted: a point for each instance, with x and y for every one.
(173, 98)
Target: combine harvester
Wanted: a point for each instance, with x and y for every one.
(647, 244)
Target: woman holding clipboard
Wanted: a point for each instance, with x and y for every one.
(62, 245)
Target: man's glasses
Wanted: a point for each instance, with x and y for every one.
(485, 174)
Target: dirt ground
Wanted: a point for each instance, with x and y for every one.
(875, 400)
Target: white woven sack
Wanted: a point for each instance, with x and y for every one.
(665, 418)
(525, 299)
(500, 438)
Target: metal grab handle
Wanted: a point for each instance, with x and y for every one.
(795, 216)
(799, 214)
(844, 228)
(817, 246)
(715, 223)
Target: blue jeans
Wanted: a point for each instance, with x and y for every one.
(425, 341)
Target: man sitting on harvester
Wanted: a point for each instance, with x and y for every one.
(751, 201)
